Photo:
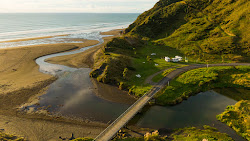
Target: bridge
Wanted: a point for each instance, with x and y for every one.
(124, 118)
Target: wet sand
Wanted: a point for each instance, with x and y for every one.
(21, 82)
(18, 69)
(48, 129)
(51, 130)
(84, 59)
(112, 93)
(27, 39)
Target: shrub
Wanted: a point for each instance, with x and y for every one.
(237, 117)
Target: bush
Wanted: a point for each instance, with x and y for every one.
(237, 117)
(122, 86)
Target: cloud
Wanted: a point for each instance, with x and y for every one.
(96, 6)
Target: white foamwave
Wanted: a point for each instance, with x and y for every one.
(6, 36)
(91, 34)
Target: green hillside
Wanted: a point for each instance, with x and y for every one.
(199, 28)
(204, 31)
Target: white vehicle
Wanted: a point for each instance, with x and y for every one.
(175, 60)
(167, 59)
(178, 57)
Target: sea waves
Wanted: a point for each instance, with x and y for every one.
(68, 35)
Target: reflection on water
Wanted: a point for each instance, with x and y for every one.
(73, 96)
(196, 111)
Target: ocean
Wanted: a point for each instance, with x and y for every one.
(77, 25)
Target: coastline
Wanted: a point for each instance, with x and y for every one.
(33, 38)
(21, 82)
(17, 63)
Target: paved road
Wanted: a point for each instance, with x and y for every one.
(122, 120)
(149, 79)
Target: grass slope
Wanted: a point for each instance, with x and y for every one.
(203, 29)
(238, 117)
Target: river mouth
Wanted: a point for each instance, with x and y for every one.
(75, 96)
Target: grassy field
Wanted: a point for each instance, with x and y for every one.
(238, 118)
(197, 80)
(146, 64)
(119, 62)
(160, 76)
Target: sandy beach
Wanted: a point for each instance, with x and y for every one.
(21, 81)
(34, 129)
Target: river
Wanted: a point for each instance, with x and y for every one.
(74, 95)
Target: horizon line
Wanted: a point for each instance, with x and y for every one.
(68, 13)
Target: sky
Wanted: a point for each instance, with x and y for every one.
(75, 6)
